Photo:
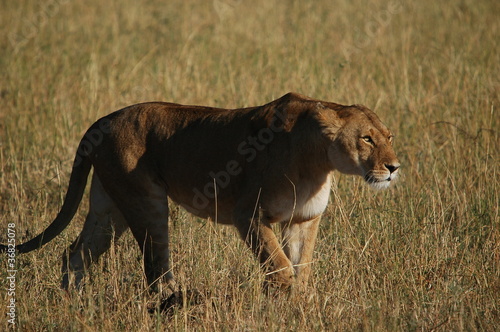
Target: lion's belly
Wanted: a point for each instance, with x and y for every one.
(217, 200)
(221, 212)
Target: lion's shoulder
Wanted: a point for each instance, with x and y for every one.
(300, 103)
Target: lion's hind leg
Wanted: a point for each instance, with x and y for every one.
(145, 208)
(103, 224)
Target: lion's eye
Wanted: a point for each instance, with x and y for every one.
(367, 139)
(391, 138)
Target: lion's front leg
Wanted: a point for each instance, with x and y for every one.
(261, 239)
(299, 240)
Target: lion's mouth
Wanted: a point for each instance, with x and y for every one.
(379, 180)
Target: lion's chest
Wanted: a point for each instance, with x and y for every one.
(307, 203)
(316, 204)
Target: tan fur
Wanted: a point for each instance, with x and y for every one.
(248, 167)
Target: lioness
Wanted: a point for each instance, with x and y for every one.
(249, 167)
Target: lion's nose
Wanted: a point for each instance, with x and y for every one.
(392, 167)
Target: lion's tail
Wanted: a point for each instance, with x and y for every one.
(77, 183)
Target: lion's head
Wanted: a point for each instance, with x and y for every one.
(362, 145)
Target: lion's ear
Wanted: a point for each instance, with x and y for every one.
(328, 118)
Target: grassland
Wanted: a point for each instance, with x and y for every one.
(423, 256)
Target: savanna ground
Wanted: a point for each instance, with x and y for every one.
(422, 256)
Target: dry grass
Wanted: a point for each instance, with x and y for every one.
(422, 256)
